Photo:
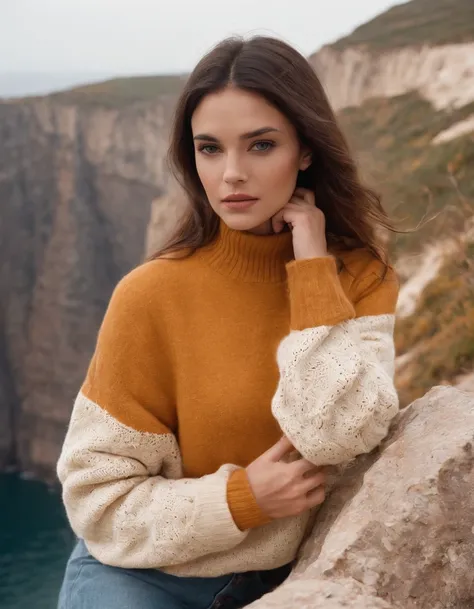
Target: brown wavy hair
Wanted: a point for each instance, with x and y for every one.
(284, 77)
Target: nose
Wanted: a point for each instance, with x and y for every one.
(234, 172)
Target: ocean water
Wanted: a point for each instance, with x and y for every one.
(35, 542)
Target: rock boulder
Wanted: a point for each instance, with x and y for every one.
(397, 531)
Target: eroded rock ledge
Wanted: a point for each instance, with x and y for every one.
(397, 532)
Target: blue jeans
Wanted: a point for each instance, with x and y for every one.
(89, 584)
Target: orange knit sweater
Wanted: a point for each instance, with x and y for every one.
(201, 364)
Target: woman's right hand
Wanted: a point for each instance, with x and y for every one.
(285, 489)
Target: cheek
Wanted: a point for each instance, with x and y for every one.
(201, 171)
(281, 172)
(209, 173)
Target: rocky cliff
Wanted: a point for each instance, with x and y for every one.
(403, 85)
(442, 75)
(76, 183)
(397, 530)
(424, 45)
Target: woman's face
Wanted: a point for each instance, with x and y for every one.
(246, 147)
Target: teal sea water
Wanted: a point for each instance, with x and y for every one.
(35, 542)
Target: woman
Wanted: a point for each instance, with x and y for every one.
(229, 369)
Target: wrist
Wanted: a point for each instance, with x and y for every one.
(317, 297)
(317, 253)
(242, 502)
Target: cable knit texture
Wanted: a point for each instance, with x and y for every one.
(200, 366)
(335, 398)
(156, 512)
(324, 366)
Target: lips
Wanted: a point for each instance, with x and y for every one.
(239, 204)
(238, 198)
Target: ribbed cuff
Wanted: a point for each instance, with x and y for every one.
(242, 503)
(316, 294)
(213, 518)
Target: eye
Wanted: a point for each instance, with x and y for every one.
(263, 146)
(208, 149)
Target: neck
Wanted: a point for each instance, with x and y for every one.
(263, 229)
(250, 257)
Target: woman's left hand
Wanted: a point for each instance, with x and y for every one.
(307, 223)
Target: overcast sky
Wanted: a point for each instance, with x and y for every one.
(109, 37)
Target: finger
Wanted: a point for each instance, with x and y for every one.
(316, 497)
(306, 195)
(300, 193)
(289, 214)
(311, 483)
(292, 212)
(297, 205)
(280, 449)
(285, 216)
(278, 223)
(302, 467)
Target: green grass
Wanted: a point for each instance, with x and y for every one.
(392, 138)
(441, 328)
(120, 92)
(415, 23)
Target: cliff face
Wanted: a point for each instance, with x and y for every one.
(403, 85)
(423, 45)
(443, 75)
(76, 182)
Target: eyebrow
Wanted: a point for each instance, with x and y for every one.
(244, 136)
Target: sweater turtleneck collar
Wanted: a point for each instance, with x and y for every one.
(248, 257)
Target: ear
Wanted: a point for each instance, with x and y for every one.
(306, 159)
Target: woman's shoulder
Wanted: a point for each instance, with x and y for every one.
(151, 271)
(148, 285)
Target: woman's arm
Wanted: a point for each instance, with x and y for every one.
(336, 396)
(120, 465)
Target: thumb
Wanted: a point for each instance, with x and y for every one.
(280, 449)
(278, 223)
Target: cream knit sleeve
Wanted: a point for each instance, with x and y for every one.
(120, 465)
(336, 395)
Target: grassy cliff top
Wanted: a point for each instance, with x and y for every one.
(415, 23)
(122, 91)
(392, 139)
